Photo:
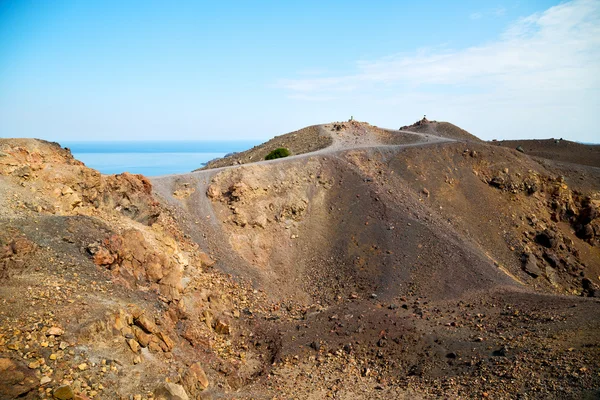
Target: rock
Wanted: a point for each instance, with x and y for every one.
(103, 257)
(206, 260)
(154, 269)
(24, 172)
(520, 149)
(497, 182)
(45, 379)
(15, 379)
(145, 323)
(64, 392)
(166, 340)
(222, 327)
(425, 192)
(195, 379)
(82, 366)
(552, 259)
(501, 352)
(213, 192)
(56, 331)
(590, 289)
(133, 345)
(208, 318)
(546, 238)
(585, 231)
(142, 337)
(530, 265)
(170, 391)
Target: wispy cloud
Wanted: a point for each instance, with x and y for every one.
(559, 48)
(544, 58)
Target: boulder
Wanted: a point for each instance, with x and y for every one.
(170, 391)
(546, 238)
(195, 379)
(530, 265)
(16, 380)
(145, 323)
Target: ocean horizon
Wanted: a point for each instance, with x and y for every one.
(152, 158)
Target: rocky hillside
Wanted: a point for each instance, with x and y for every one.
(419, 263)
(369, 249)
(102, 294)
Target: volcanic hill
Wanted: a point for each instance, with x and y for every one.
(371, 263)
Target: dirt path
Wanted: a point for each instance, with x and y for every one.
(341, 143)
(195, 209)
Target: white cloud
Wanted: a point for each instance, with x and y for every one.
(546, 61)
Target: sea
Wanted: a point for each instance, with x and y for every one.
(153, 158)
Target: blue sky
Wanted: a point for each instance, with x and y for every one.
(105, 70)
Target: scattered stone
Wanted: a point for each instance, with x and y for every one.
(45, 379)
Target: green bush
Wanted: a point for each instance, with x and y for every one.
(278, 153)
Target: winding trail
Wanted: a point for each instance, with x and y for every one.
(196, 211)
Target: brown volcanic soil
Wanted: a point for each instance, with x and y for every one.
(410, 271)
(557, 150)
(388, 265)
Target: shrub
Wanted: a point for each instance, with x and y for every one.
(278, 153)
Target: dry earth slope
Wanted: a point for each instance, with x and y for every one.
(388, 249)
(419, 263)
